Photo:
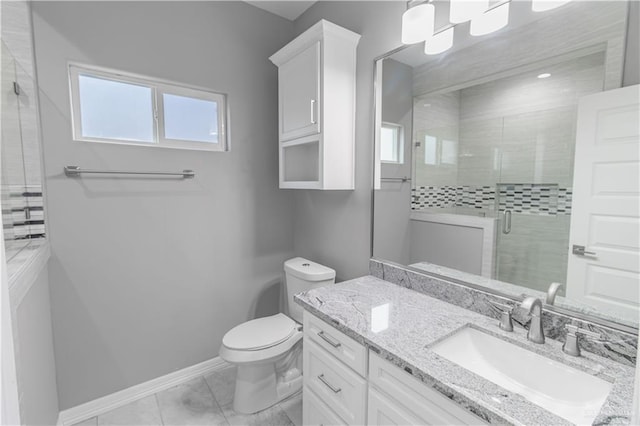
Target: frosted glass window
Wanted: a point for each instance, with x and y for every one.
(449, 153)
(190, 119)
(430, 150)
(115, 110)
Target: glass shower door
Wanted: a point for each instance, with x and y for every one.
(533, 197)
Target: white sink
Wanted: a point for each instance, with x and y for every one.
(572, 394)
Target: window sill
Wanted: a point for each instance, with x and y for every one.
(183, 146)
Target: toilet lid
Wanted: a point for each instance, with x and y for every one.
(260, 333)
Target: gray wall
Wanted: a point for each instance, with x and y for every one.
(334, 227)
(35, 359)
(148, 274)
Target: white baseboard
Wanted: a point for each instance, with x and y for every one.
(118, 399)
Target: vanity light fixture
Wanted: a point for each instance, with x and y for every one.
(418, 23)
(465, 10)
(544, 5)
(544, 75)
(490, 21)
(440, 42)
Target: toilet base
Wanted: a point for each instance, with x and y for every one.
(257, 388)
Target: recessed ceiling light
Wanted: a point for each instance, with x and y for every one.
(544, 75)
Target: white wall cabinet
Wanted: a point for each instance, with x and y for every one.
(299, 94)
(340, 389)
(316, 108)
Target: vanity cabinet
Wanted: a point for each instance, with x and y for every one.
(346, 384)
(316, 108)
(334, 369)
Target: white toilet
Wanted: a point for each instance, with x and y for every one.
(268, 351)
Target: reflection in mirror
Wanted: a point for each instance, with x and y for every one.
(486, 132)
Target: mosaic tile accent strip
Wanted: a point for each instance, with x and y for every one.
(521, 198)
(432, 196)
(565, 197)
(23, 213)
(480, 197)
(528, 198)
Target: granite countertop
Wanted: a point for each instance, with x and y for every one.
(416, 322)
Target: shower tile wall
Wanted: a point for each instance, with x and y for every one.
(515, 150)
(22, 205)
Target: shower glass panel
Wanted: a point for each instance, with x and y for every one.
(20, 180)
(504, 149)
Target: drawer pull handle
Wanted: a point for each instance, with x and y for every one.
(323, 380)
(329, 340)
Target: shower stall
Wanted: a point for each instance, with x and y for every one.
(503, 149)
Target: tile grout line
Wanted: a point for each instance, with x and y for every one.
(215, 399)
(155, 397)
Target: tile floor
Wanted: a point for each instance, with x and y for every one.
(206, 400)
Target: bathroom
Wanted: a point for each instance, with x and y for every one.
(117, 298)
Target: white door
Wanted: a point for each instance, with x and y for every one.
(605, 212)
(299, 93)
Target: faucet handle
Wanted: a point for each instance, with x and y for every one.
(573, 329)
(502, 306)
(506, 321)
(571, 345)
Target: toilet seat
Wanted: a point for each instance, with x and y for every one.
(260, 333)
(260, 340)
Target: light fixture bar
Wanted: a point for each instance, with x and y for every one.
(465, 10)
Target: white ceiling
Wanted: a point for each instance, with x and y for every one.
(289, 9)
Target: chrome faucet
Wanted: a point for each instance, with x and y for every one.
(533, 307)
(571, 345)
(552, 292)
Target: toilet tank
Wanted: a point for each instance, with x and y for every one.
(302, 275)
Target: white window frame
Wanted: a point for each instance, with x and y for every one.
(158, 89)
(399, 129)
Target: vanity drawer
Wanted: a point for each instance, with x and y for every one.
(384, 411)
(343, 347)
(336, 385)
(429, 405)
(317, 413)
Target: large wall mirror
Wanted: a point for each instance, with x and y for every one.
(476, 153)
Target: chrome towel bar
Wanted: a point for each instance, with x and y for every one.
(396, 179)
(73, 171)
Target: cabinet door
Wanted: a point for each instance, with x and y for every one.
(299, 94)
(383, 411)
(316, 413)
(334, 383)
